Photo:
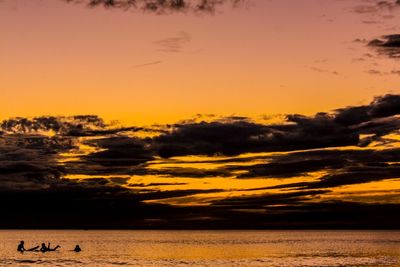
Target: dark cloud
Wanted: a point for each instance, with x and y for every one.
(265, 200)
(31, 148)
(210, 138)
(190, 172)
(345, 167)
(341, 128)
(279, 168)
(30, 160)
(154, 184)
(73, 125)
(388, 45)
(347, 176)
(160, 6)
(384, 106)
(119, 151)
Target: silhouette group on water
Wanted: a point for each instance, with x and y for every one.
(42, 248)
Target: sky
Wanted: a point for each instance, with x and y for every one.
(194, 114)
(263, 57)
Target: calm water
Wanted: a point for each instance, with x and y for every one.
(205, 248)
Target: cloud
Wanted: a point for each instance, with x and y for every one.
(30, 161)
(209, 138)
(344, 167)
(388, 45)
(79, 125)
(154, 184)
(268, 199)
(173, 44)
(376, 6)
(148, 64)
(341, 128)
(282, 168)
(316, 69)
(160, 6)
(383, 106)
(119, 151)
(348, 176)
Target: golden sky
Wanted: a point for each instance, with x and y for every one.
(268, 57)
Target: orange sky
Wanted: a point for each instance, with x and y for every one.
(279, 56)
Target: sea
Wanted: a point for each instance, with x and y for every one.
(203, 248)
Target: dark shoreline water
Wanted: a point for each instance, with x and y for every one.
(204, 248)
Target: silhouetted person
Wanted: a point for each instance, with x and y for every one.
(43, 248)
(77, 248)
(21, 247)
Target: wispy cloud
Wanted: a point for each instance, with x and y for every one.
(376, 7)
(148, 64)
(174, 44)
(159, 7)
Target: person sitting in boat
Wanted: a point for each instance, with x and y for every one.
(77, 248)
(47, 248)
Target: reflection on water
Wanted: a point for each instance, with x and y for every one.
(205, 248)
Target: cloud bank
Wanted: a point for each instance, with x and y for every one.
(70, 167)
